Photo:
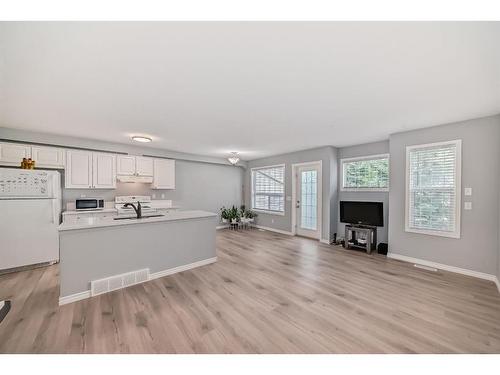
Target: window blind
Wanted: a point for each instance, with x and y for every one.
(268, 189)
(366, 173)
(433, 193)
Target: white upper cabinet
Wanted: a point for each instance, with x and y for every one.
(78, 171)
(13, 153)
(125, 165)
(164, 174)
(90, 170)
(143, 166)
(48, 157)
(129, 165)
(103, 171)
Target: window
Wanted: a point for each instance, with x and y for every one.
(369, 173)
(433, 188)
(268, 189)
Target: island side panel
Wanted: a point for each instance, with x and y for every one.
(96, 253)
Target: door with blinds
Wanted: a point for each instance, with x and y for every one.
(308, 221)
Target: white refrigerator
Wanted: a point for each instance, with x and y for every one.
(30, 210)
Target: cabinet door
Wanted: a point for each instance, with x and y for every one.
(125, 165)
(78, 173)
(48, 157)
(143, 166)
(104, 171)
(164, 174)
(13, 153)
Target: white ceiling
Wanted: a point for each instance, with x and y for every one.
(257, 88)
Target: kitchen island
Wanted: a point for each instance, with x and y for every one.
(98, 255)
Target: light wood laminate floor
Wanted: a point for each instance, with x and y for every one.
(267, 293)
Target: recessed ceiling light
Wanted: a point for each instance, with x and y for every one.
(141, 139)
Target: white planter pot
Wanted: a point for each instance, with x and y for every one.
(234, 221)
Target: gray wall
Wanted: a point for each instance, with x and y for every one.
(478, 247)
(364, 150)
(328, 156)
(207, 184)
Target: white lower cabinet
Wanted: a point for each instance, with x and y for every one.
(163, 174)
(90, 170)
(12, 154)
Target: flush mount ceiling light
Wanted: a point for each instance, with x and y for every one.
(138, 138)
(233, 159)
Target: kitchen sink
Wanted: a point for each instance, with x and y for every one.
(135, 217)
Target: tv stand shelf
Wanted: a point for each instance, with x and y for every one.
(360, 236)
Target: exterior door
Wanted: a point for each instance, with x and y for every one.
(307, 201)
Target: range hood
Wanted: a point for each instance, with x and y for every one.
(139, 179)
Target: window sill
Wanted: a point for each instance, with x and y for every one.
(364, 190)
(269, 212)
(434, 233)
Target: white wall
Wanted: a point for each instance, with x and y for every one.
(478, 247)
(366, 149)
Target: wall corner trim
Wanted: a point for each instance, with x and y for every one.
(445, 267)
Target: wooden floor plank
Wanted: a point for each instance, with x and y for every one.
(267, 293)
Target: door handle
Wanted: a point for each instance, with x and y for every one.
(297, 205)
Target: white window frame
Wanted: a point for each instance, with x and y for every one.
(358, 158)
(458, 190)
(269, 212)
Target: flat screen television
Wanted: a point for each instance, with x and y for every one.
(365, 213)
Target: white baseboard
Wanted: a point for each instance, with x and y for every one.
(186, 267)
(221, 227)
(274, 230)
(327, 242)
(74, 297)
(498, 284)
(445, 267)
(86, 294)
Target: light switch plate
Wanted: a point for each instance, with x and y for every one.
(468, 206)
(468, 191)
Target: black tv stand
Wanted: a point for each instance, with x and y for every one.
(360, 236)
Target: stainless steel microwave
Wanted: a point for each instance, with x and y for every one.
(82, 204)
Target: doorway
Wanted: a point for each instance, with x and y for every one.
(307, 199)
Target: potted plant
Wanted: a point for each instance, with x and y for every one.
(234, 215)
(250, 216)
(224, 215)
(243, 211)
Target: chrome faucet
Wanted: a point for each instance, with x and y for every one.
(138, 209)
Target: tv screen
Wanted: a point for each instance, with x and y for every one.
(367, 213)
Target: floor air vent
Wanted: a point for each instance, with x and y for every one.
(118, 281)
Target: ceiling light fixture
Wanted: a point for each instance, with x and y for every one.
(234, 158)
(141, 139)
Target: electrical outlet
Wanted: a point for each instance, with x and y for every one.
(468, 191)
(468, 206)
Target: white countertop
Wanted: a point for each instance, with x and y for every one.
(98, 222)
